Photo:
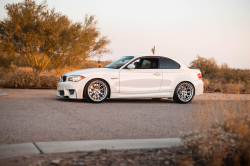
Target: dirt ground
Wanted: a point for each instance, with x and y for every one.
(167, 156)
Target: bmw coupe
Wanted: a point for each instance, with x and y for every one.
(135, 76)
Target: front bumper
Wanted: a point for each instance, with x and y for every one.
(72, 90)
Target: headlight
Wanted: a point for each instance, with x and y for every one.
(75, 78)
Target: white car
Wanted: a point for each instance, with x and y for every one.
(135, 76)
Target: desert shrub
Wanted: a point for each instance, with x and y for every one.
(222, 78)
(234, 88)
(207, 66)
(5, 74)
(23, 76)
(221, 133)
(228, 82)
(224, 142)
(27, 79)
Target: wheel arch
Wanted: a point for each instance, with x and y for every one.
(85, 86)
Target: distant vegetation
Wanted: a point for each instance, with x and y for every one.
(23, 76)
(222, 78)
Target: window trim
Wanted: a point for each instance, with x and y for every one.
(171, 60)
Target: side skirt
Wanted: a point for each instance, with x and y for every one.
(142, 95)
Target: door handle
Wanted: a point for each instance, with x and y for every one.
(157, 74)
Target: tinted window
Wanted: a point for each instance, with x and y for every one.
(166, 63)
(146, 63)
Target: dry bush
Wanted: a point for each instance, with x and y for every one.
(5, 74)
(221, 133)
(233, 88)
(229, 80)
(207, 66)
(222, 78)
(24, 77)
(27, 79)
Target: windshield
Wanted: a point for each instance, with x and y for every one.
(119, 63)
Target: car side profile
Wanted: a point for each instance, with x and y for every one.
(135, 76)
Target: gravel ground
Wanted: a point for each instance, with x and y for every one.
(39, 116)
(170, 156)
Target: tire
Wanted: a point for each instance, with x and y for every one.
(184, 92)
(96, 91)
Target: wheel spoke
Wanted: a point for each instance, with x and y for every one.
(185, 92)
(97, 90)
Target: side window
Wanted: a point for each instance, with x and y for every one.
(146, 63)
(166, 63)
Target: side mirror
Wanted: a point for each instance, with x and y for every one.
(131, 66)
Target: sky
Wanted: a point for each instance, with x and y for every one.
(181, 29)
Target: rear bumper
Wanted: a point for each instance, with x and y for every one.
(198, 87)
(72, 90)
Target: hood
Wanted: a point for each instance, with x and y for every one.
(84, 71)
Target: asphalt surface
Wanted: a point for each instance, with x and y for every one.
(38, 116)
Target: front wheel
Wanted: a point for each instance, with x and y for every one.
(184, 92)
(96, 91)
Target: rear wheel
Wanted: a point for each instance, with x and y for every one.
(184, 92)
(96, 91)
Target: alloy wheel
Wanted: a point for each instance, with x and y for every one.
(97, 91)
(185, 92)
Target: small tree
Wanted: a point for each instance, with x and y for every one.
(43, 35)
(207, 66)
(85, 42)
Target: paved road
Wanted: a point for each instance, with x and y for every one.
(38, 115)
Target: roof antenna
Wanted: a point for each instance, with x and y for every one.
(153, 50)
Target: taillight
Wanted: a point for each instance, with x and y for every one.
(199, 76)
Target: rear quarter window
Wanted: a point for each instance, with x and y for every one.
(166, 63)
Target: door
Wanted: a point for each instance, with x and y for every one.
(145, 78)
